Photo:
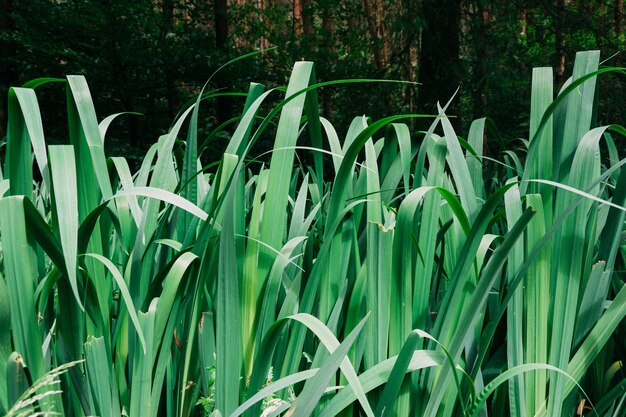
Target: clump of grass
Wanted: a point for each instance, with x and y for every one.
(401, 273)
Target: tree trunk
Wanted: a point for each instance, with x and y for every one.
(307, 23)
(440, 65)
(383, 34)
(241, 21)
(409, 50)
(373, 21)
(220, 12)
(297, 19)
(263, 41)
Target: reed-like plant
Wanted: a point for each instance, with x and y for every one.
(400, 273)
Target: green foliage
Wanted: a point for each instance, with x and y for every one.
(398, 273)
(152, 56)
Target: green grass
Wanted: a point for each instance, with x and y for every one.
(400, 273)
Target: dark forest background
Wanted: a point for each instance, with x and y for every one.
(151, 56)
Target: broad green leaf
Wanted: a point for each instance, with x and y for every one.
(65, 196)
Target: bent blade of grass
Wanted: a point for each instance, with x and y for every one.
(103, 126)
(171, 287)
(331, 343)
(165, 196)
(141, 180)
(300, 221)
(510, 373)
(188, 178)
(379, 375)
(273, 388)
(581, 193)
(128, 302)
(240, 137)
(315, 387)
(396, 376)
(333, 142)
(38, 82)
(557, 110)
(407, 282)
(270, 298)
(84, 125)
(25, 129)
(126, 180)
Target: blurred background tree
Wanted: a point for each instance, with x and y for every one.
(151, 56)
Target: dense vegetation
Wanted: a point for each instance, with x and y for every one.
(151, 56)
(390, 276)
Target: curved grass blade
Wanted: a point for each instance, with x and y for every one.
(315, 387)
(331, 343)
(380, 374)
(273, 388)
(165, 196)
(103, 127)
(128, 302)
(24, 129)
(510, 373)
